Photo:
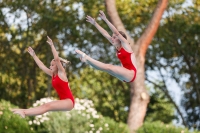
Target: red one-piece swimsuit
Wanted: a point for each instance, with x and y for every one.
(62, 88)
(125, 59)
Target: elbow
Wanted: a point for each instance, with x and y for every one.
(41, 67)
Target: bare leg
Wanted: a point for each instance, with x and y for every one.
(116, 71)
(59, 105)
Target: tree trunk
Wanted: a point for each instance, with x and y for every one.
(139, 98)
(139, 95)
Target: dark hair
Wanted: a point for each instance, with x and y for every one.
(123, 34)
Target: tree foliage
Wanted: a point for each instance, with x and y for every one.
(175, 54)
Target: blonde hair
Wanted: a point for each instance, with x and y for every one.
(65, 62)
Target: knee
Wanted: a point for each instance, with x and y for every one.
(70, 108)
(46, 107)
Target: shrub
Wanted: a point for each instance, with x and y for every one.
(160, 127)
(82, 119)
(12, 123)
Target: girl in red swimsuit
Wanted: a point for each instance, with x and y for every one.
(59, 82)
(126, 72)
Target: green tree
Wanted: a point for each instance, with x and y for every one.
(160, 107)
(111, 98)
(175, 49)
(139, 95)
(20, 77)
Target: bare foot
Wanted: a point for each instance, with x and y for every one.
(82, 54)
(20, 112)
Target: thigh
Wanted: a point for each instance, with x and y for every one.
(121, 73)
(60, 105)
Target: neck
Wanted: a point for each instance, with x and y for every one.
(55, 73)
(118, 47)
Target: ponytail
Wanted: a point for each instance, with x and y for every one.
(65, 62)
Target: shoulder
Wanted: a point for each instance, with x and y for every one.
(127, 47)
(63, 76)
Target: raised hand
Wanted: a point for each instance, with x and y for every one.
(90, 20)
(49, 41)
(102, 15)
(31, 51)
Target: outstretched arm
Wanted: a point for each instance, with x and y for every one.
(55, 55)
(39, 62)
(100, 29)
(112, 27)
